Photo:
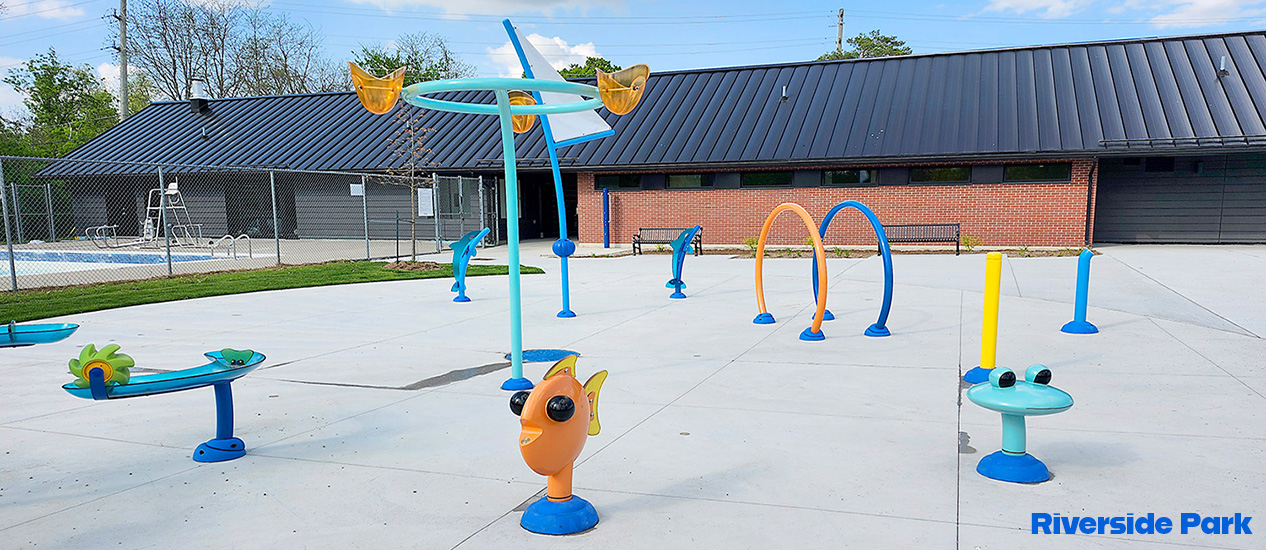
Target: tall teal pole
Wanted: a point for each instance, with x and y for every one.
(516, 381)
(1079, 325)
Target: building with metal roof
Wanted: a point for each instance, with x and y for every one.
(1147, 140)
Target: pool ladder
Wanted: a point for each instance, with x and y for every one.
(231, 247)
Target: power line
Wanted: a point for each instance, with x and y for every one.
(977, 18)
(622, 21)
(95, 25)
(556, 18)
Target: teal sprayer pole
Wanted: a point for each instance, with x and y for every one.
(516, 381)
(1079, 325)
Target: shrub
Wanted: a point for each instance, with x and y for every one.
(751, 242)
(969, 242)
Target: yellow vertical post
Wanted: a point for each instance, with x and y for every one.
(989, 325)
(989, 329)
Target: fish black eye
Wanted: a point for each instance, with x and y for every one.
(517, 401)
(1042, 377)
(1006, 380)
(560, 408)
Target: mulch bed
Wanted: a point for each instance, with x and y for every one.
(413, 266)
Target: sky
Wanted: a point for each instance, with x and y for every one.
(664, 34)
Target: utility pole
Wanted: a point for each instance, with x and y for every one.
(123, 91)
(839, 32)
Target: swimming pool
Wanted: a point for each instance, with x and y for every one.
(34, 262)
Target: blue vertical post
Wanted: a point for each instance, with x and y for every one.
(606, 218)
(223, 411)
(563, 247)
(1079, 325)
(516, 381)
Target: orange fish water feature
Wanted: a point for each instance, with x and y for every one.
(557, 417)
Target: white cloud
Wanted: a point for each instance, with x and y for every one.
(50, 9)
(495, 7)
(11, 106)
(1203, 13)
(555, 49)
(1052, 9)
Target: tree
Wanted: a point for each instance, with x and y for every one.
(69, 105)
(427, 56)
(238, 49)
(872, 44)
(592, 64)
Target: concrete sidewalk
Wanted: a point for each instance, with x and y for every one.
(716, 432)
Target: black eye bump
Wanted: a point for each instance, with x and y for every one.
(517, 401)
(1043, 377)
(1006, 380)
(560, 408)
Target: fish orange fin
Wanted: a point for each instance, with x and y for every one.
(566, 365)
(592, 387)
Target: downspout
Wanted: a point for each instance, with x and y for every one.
(1090, 199)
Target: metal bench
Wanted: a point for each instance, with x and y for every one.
(924, 233)
(664, 235)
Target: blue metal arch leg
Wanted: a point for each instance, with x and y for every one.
(879, 328)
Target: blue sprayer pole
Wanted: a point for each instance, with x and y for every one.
(606, 219)
(516, 381)
(1079, 325)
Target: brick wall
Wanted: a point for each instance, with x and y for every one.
(1000, 214)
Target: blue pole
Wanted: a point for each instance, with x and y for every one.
(562, 247)
(1079, 325)
(516, 381)
(606, 219)
(223, 411)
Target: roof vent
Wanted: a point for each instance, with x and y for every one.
(1222, 70)
(198, 95)
(785, 97)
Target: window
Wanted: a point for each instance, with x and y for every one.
(621, 181)
(1038, 172)
(1159, 164)
(690, 181)
(940, 174)
(851, 177)
(767, 179)
(1131, 161)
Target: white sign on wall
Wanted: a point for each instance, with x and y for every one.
(358, 189)
(426, 202)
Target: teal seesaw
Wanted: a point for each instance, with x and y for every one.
(104, 374)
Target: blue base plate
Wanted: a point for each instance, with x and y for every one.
(1013, 468)
(559, 518)
(976, 376)
(566, 314)
(516, 384)
(677, 295)
(764, 319)
(220, 450)
(811, 336)
(461, 299)
(876, 331)
(1079, 327)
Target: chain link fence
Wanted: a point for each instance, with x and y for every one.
(70, 222)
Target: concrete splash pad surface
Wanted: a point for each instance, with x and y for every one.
(377, 421)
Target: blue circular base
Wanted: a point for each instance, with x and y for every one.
(1013, 468)
(462, 299)
(220, 450)
(1079, 327)
(977, 375)
(826, 316)
(876, 331)
(545, 355)
(811, 336)
(559, 518)
(764, 319)
(566, 314)
(516, 384)
(677, 295)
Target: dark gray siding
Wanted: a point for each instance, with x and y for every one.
(1215, 199)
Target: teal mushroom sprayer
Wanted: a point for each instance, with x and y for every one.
(1016, 399)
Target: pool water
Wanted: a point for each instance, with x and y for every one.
(35, 262)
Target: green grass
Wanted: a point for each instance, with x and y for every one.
(26, 305)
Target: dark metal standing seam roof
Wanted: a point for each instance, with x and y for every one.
(1068, 100)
